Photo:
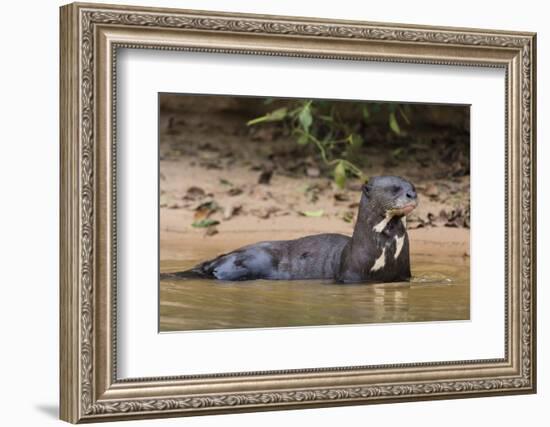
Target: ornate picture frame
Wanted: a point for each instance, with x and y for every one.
(90, 37)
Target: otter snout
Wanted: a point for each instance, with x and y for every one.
(406, 200)
(411, 194)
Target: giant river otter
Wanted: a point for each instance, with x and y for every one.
(378, 250)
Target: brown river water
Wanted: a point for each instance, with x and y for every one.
(438, 291)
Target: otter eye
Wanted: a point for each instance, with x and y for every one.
(395, 189)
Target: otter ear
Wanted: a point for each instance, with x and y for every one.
(366, 188)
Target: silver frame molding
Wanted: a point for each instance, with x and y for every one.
(90, 37)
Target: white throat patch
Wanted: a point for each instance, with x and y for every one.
(378, 228)
(399, 241)
(380, 261)
(382, 224)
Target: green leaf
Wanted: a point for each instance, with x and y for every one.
(355, 140)
(366, 113)
(313, 214)
(274, 116)
(405, 117)
(322, 103)
(340, 174)
(305, 117)
(394, 126)
(204, 223)
(326, 118)
(397, 152)
(348, 216)
(303, 139)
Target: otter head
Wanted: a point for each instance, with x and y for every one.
(390, 196)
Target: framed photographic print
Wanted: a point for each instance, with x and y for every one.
(265, 212)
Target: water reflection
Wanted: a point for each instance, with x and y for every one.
(438, 291)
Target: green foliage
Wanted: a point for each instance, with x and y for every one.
(313, 214)
(340, 174)
(394, 126)
(305, 117)
(205, 223)
(274, 116)
(366, 113)
(320, 124)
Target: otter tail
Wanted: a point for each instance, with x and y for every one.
(233, 266)
(203, 270)
(187, 274)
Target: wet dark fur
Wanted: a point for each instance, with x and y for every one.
(327, 256)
